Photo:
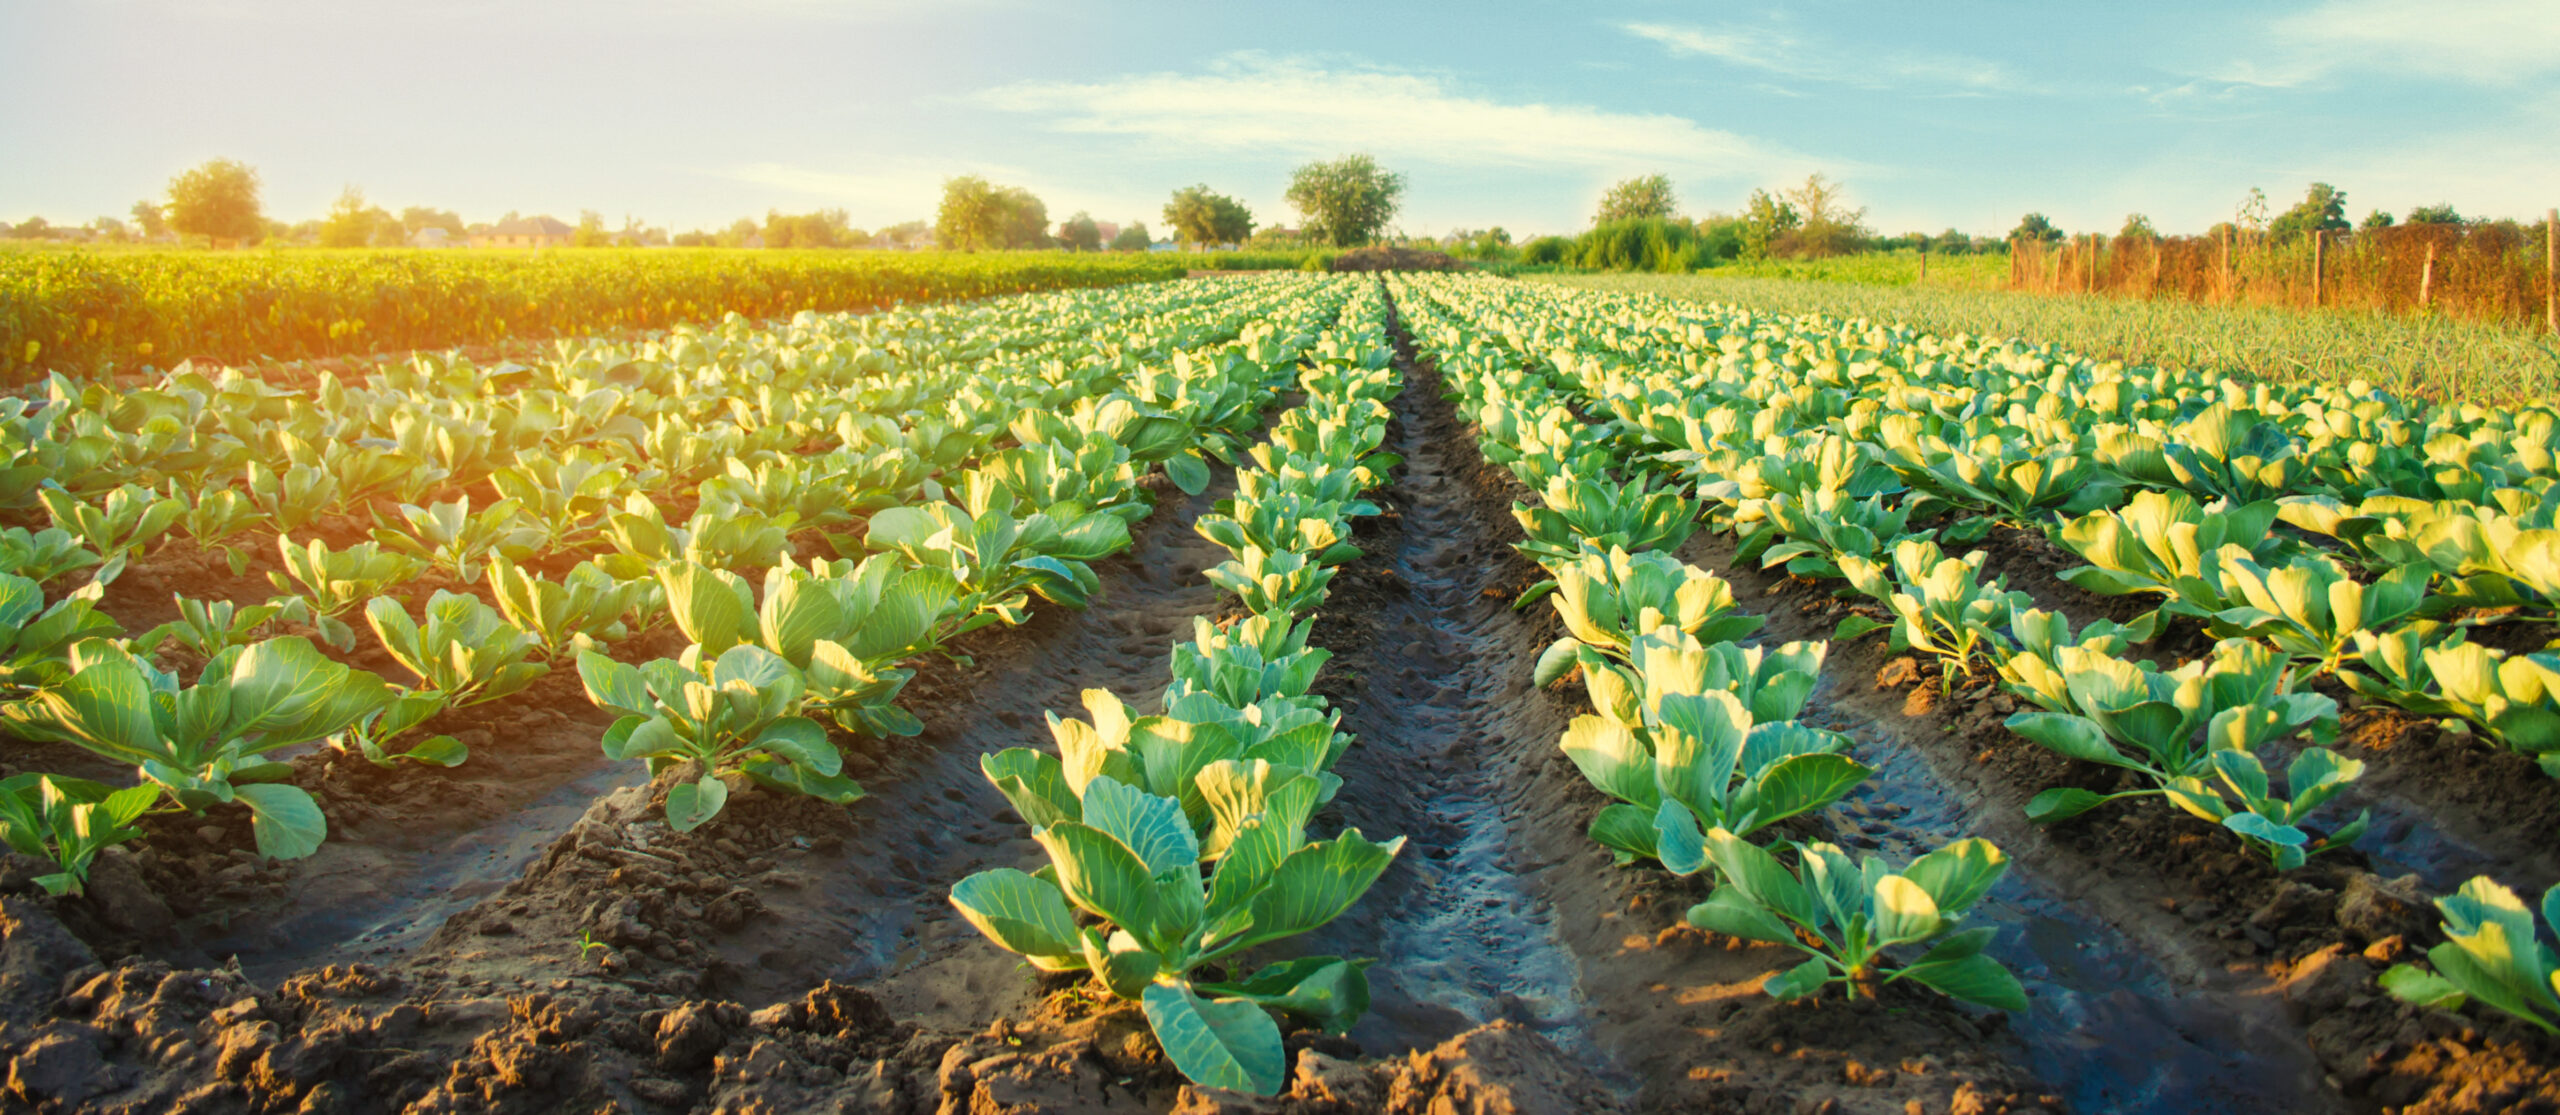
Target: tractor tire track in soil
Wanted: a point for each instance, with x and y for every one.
(1675, 1018)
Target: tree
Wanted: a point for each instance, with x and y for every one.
(217, 200)
(2137, 228)
(109, 228)
(1649, 196)
(904, 234)
(2376, 219)
(1764, 219)
(147, 216)
(977, 214)
(1830, 226)
(2323, 209)
(1079, 234)
(352, 223)
(826, 228)
(418, 218)
(1347, 201)
(1201, 218)
(2434, 215)
(2035, 226)
(1132, 239)
(591, 233)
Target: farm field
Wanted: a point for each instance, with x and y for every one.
(1299, 693)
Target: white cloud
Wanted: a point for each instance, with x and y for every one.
(1253, 102)
(2486, 42)
(1793, 57)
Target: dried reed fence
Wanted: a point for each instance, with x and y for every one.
(2502, 273)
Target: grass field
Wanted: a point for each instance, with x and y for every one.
(2422, 357)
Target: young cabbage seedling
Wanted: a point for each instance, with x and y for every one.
(2493, 952)
(734, 714)
(209, 627)
(205, 743)
(36, 641)
(1845, 916)
(463, 652)
(124, 522)
(69, 821)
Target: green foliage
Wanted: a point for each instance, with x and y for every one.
(2492, 952)
(977, 215)
(2035, 227)
(463, 652)
(68, 821)
(2323, 208)
(2512, 699)
(1656, 244)
(1199, 216)
(218, 199)
(1345, 202)
(205, 743)
(709, 717)
(36, 639)
(1645, 198)
(1845, 915)
(1132, 237)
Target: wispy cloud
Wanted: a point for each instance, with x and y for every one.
(2481, 42)
(1294, 106)
(1798, 58)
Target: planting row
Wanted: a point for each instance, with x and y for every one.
(982, 462)
(1694, 733)
(1851, 453)
(1181, 836)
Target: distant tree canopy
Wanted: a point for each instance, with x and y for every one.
(826, 228)
(1200, 216)
(2137, 227)
(1132, 238)
(1346, 202)
(355, 223)
(1079, 234)
(417, 218)
(2323, 209)
(2434, 215)
(218, 199)
(1764, 220)
(1637, 198)
(2376, 219)
(2036, 227)
(149, 216)
(977, 215)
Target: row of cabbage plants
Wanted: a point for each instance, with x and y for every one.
(1693, 732)
(984, 463)
(1849, 451)
(1180, 837)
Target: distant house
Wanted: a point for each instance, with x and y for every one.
(431, 237)
(1106, 231)
(526, 232)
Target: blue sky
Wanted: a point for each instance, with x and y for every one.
(691, 114)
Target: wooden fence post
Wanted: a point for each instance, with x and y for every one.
(2319, 256)
(2551, 270)
(2225, 292)
(2094, 241)
(1924, 263)
(2427, 277)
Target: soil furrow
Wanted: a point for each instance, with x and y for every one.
(1676, 1016)
(1421, 677)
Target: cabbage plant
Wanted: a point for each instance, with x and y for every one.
(205, 743)
(1845, 916)
(1610, 599)
(1604, 512)
(463, 652)
(36, 639)
(1167, 896)
(2492, 952)
(2512, 699)
(1940, 605)
(116, 526)
(69, 821)
(733, 714)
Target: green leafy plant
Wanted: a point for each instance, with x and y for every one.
(42, 555)
(996, 561)
(213, 517)
(450, 537)
(2311, 609)
(209, 627)
(320, 584)
(1605, 513)
(205, 743)
(1845, 916)
(1134, 862)
(737, 713)
(1697, 738)
(1281, 584)
(2512, 699)
(375, 737)
(69, 821)
(2168, 545)
(36, 640)
(124, 522)
(464, 652)
(2492, 952)
(2174, 728)
(1940, 606)
(588, 606)
(1610, 599)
